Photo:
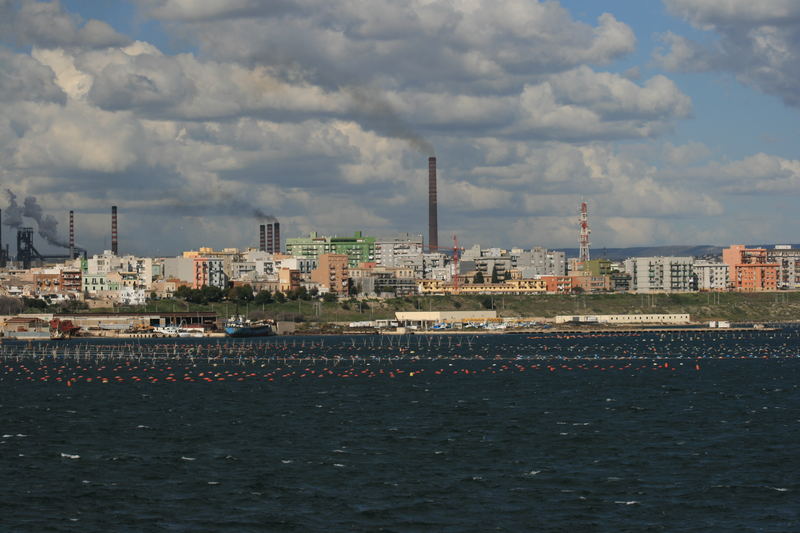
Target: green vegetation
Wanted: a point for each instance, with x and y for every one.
(303, 307)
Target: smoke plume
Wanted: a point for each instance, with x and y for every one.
(374, 111)
(46, 225)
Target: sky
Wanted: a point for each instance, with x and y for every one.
(675, 120)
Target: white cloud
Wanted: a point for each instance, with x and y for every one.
(758, 42)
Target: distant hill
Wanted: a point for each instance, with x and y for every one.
(618, 254)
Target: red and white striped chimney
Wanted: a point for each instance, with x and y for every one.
(72, 234)
(114, 244)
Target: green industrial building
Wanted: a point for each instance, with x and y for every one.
(358, 249)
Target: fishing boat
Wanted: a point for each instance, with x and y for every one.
(167, 331)
(237, 326)
(190, 332)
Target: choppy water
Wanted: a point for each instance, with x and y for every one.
(611, 433)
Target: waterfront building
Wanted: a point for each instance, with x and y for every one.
(586, 282)
(750, 269)
(624, 319)
(788, 261)
(660, 274)
(209, 272)
(94, 283)
(358, 249)
(558, 284)
(514, 286)
(711, 275)
(530, 264)
(107, 263)
(597, 267)
(332, 273)
(394, 251)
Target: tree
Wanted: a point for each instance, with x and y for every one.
(329, 297)
(478, 277)
(263, 297)
(211, 294)
(495, 277)
(487, 302)
(507, 275)
(241, 293)
(183, 292)
(280, 297)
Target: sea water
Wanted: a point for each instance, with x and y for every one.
(551, 432)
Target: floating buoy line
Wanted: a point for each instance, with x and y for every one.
(100, 361)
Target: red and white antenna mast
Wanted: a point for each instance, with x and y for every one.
(583, 254)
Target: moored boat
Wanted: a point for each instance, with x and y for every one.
(239, 327)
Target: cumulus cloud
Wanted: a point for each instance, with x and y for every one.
(481, 46)
(48, 25)
(22, 78)
(756, 174)
(323, 114)
(758, 42)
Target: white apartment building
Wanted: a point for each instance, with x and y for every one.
(108, 262)
(394, 251)
(660, 274)
(788, 260)
(711, 276)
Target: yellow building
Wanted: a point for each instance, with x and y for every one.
(512, 286)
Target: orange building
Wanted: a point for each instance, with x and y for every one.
(289, 279)
(750, 269)
(588, 283)
(332, 273)
(559, 284)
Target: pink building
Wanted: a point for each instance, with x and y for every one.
(750, 269)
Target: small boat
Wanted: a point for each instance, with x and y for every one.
(239, 327)
(190, 332)
(167, 331)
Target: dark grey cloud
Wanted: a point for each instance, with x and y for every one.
(48, 25)
(22, 78)
(483, 46)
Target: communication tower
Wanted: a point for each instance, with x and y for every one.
(583, 219)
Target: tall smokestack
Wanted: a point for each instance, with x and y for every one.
(262, 238)
(433, 222)
(114, 247)
(72, 234)
(276, 245)
(270, 239)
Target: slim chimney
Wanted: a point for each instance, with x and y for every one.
(433, 223)
(276, 245)
(270, 238)
(72, 234)
(114, 247)
(262, 240)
